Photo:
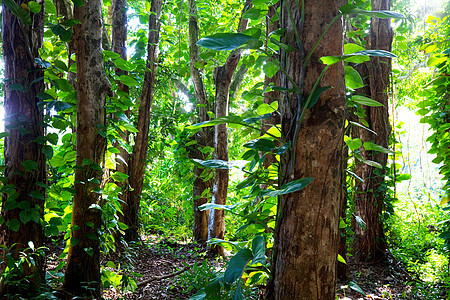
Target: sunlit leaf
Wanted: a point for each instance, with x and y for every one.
(365, 101)
(290, 187)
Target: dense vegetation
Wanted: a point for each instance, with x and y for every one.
(274, 147)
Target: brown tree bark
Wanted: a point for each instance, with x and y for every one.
(369, 196)
(119, 46)
(222, 80)
(24, 161)
(204, 137)
(306, 234)
(139, 156)
(83, 262)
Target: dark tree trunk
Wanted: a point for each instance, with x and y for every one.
(203, 183)
(369, 197)
(24, 161)
(83, 262)
(139, 156)
(306, 234)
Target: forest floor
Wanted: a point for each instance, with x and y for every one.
(169, 269)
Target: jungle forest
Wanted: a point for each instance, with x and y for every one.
(198, 149)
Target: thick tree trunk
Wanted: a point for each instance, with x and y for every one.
(139, 156)
(83, 262)
(204, 137)
(369, 197)
(24, 161)
(306, 234)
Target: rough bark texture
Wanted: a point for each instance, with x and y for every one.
(119, 46)
(83, 261)
(204, 137)
(23, 122)
(139, 156)
(306, 234)
(222, 80)
(369, 196)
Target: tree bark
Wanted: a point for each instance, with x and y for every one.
(139, 156)
(203, 182)
(83, 262)
(119, 46)
(222, 80)
(306, 234)
(25, 164)
(369, 196)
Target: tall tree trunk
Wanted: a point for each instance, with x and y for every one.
(139, 156)
(204, 137)
(222, 80)
(369, 199)
(23, 204)
(119, 46)
(306, 234)
(83, 262)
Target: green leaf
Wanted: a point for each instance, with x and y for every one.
(270, 68)
(78, 3)
(60, 65)
(29, 165)
(224, 41)
(352, 48)
(34, 7)
(354, 144)
(264, 145)
(254, 14)
(119, 176)
(352, 78)
(237, 265)
(18, 11)
(330, 60)
(4, 134)
(37, 195)
(290, 187)
(365, 101)
(110, 54)
(341, 259)
(362, 126)
(316, 95)
(350, 9)
(13, 224)
(128, 80)
(217, 121)
(369, 146)
(64, 34)
(265, 108)
(259, 250)
(47, 151)
(50, 8)
(123, 64)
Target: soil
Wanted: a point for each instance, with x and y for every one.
(165, 269)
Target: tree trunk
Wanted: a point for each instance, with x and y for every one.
(306, 234)
(83, 262)
(23, 204)
(139, 156)
(119, 46)
(222, 80)
(369, 197)
(202, 183)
